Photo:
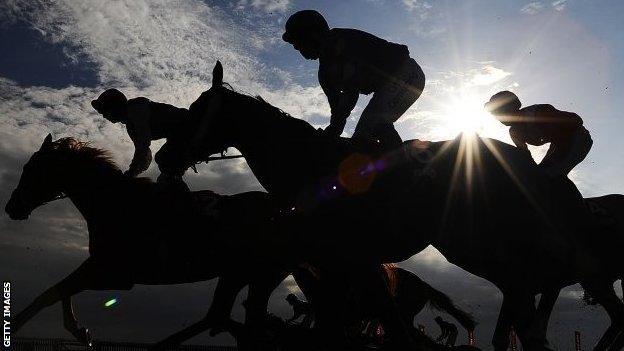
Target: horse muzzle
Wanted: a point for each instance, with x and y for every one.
(17, 210)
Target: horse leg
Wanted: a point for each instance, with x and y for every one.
(218, 314)
(385, 307)
(260, 291)
(500, 339)
(522, 307)
(71, 324)
(328, 296)
(606, 297)
(70, 285)
(544, 310)
(86, 277)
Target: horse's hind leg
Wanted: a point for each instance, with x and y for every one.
(606, 297)
(71, 323)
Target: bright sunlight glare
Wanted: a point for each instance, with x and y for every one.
(465, 114)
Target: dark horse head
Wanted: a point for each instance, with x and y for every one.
(284, 152)
(46, 175)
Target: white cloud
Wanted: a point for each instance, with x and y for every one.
(559, 5)
(488, 75)
(164, 50)
(421, 6)
(426, 23)
(532, 8)
(268, 6)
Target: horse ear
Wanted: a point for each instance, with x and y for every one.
(217, 75)
(47, 142)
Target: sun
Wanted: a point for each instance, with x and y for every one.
(465, 114)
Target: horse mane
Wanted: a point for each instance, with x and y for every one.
(84, 153)
(273, 110)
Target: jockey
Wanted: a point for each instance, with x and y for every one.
(353, 62)
(145, 121)
(539, 124)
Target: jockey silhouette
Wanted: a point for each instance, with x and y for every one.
(539, 124)
(448, 331)
(353, 62)
(145, 121)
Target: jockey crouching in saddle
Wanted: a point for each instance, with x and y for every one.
(145, 121)
(539, 124)
(353, 62)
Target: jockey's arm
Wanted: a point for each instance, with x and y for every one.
(338, 120)
(141, 135)
(337, 81)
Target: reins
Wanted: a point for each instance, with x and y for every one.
(214, 158)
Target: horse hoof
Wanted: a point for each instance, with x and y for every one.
(83, 336)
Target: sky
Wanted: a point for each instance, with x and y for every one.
(59, 55)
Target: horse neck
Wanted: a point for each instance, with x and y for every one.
(263, 136)
(90, 187)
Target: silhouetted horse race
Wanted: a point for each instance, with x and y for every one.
(336, 214)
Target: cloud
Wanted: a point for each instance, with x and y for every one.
(164, 50)
(535, 7)
(532, 8)
(559, 5)
(426, 23)
(267, 6)
(488, 75)
(420, 6)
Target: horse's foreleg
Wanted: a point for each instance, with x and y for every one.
(606, 297)
(218, 314)
(70, 285)
(500, 339)
(385, 307)
(522, 312)
(260, 290)
(544, 310)
(71, 323)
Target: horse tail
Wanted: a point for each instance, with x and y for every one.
(442, 302)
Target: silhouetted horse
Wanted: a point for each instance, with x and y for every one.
(483, 204)
(142, 234)
(288, 337)
(409, 292)
(138, 236)
(608, 240)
